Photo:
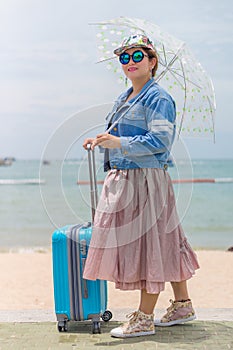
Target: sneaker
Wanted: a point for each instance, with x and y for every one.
(178, 312)
(138, 325)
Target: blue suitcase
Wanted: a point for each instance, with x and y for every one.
(77, 299)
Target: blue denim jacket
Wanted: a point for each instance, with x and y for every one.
(146, 131)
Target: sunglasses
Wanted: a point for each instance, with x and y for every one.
(137, 57)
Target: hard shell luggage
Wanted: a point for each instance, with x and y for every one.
(77, 299)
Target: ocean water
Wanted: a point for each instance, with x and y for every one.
(29, 213)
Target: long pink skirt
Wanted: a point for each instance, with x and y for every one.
(137, 239)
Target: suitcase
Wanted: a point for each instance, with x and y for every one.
(77, 299)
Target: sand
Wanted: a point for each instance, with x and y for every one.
(26, 283)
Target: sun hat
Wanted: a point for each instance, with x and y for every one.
(136, 40)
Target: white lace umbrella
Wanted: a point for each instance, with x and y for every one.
(179, 72)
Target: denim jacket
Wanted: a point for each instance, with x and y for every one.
(146, 130)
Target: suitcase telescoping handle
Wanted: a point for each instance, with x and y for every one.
(93, 182)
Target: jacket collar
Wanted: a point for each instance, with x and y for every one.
(124, 95)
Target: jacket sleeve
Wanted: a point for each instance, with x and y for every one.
(160, 117)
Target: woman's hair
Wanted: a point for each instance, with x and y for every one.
(152, 54)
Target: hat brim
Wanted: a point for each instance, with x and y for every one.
(122, 49)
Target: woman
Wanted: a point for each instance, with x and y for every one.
(137, 239)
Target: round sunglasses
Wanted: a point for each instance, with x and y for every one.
(137, 57)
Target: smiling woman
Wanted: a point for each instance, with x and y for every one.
(142, 60)
(138, 56)
(137, 239)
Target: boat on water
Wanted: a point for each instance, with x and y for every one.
(6, 161)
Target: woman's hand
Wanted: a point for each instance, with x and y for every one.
(88, 141)
(106, 141)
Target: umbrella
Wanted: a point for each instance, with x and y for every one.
(179, 72)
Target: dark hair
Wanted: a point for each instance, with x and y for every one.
(152, 54)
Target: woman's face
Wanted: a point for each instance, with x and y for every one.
(138, 70)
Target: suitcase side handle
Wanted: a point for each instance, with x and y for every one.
(85, 288)
(93, 182)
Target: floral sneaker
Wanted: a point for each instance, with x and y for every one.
(138, 325)
(178, 312)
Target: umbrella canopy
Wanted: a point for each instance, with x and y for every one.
(179, 72)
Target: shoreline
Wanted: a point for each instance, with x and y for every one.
(48, 249)
(26, 283)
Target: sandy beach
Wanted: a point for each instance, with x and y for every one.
(26, 283)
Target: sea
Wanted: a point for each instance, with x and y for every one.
(36, 198)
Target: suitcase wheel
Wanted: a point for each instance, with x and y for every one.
(107, 315)
(62, 326)
(96, 327)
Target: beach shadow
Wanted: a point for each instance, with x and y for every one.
(183, 336)
(85, 327)
(186, 335)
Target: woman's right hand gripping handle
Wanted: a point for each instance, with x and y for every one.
(87, 142)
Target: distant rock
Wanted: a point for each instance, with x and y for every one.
(230, 249)
(46, 162)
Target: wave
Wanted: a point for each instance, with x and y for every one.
(21, 181)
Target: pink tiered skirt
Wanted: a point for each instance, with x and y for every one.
(137, 239)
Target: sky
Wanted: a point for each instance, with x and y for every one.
(49, 73)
